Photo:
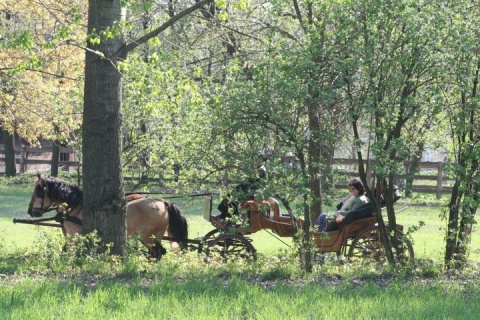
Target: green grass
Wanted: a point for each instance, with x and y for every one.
(39, 281)
(194, 298)
(428, 241)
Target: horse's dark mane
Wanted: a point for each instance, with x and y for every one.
(59, 190)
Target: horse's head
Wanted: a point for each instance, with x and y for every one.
(40, 201)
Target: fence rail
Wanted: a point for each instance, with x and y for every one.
(39, 159)
(437, 183)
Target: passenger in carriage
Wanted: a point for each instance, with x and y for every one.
(246, 190)
(356, 200)
(396, 195)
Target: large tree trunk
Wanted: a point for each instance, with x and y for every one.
(55, 155)
(10, 165)
(104, 204)
(314, 182)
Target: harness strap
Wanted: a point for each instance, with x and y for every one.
(65, 216)
(50, 209)
(73, 220)
(59, 217)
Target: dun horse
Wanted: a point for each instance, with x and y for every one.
(149, 218)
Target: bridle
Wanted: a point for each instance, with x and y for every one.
(41, 193)
(69, 214)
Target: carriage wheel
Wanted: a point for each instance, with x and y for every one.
(368, 245)
(229, 247)
(211, 235)
(207, 238)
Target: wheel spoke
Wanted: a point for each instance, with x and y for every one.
(368, 246)
(229, 247)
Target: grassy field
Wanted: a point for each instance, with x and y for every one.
(428, 241)
(39, 281)
(195, 298)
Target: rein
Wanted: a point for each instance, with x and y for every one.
(65, 216)
(48, 210)
(56, 217)
(73, 219)
(62, 216)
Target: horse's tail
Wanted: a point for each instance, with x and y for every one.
(177, 224)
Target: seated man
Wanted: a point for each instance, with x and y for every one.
(244, 191)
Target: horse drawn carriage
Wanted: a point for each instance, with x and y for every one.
(359, 239)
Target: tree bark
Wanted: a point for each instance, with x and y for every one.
(55, 158)
(452, 226)
(465, 197)
(413, 168)
(10, 165)
(104, 204)
(314, 182)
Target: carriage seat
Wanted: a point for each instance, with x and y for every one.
(362, 212)
(276, 207)
(366, 210)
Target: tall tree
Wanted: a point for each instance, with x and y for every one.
(396, 67)
(462, 100)
(104, 204)
(292, 99)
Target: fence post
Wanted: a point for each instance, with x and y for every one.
(439, 179)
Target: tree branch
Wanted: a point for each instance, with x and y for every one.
(299, 14)
(132, 45)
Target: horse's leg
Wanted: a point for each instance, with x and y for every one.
(149, 219)
(158, 249)
(64, 248)
(157, 238)
(69, 230)
(175, 246)
(154, 247)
